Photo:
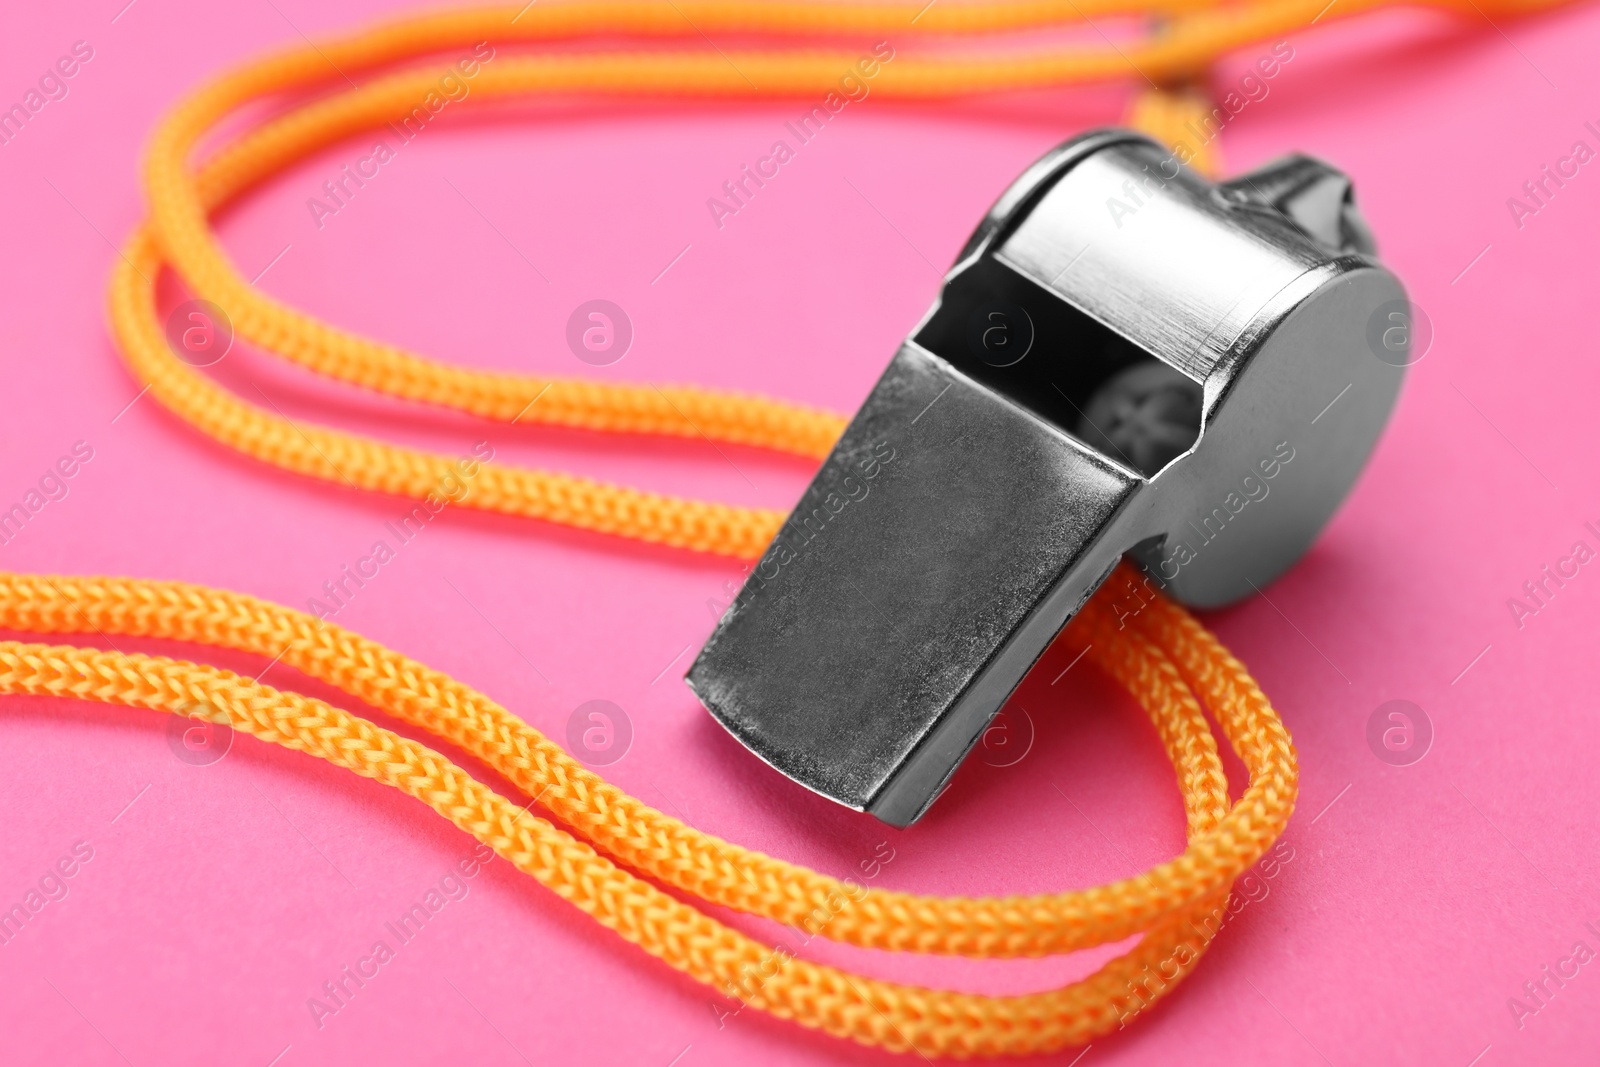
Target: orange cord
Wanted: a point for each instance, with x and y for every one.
(1164, 658)
(181, 194)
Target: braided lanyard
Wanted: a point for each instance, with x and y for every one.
(1169, 663)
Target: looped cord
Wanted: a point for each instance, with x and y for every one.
(1163, 658)
(1190, 35)
(608, 842)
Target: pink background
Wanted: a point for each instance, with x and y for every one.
(220, 898)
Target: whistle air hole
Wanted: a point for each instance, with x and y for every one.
(1146, 415)
(1009, 334)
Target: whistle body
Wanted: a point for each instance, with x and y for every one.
(1126, 358)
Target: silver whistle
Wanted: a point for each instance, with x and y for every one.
(1125, 359)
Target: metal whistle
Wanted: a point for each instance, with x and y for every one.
(1125, 358)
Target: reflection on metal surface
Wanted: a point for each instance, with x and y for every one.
(1126, 358)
